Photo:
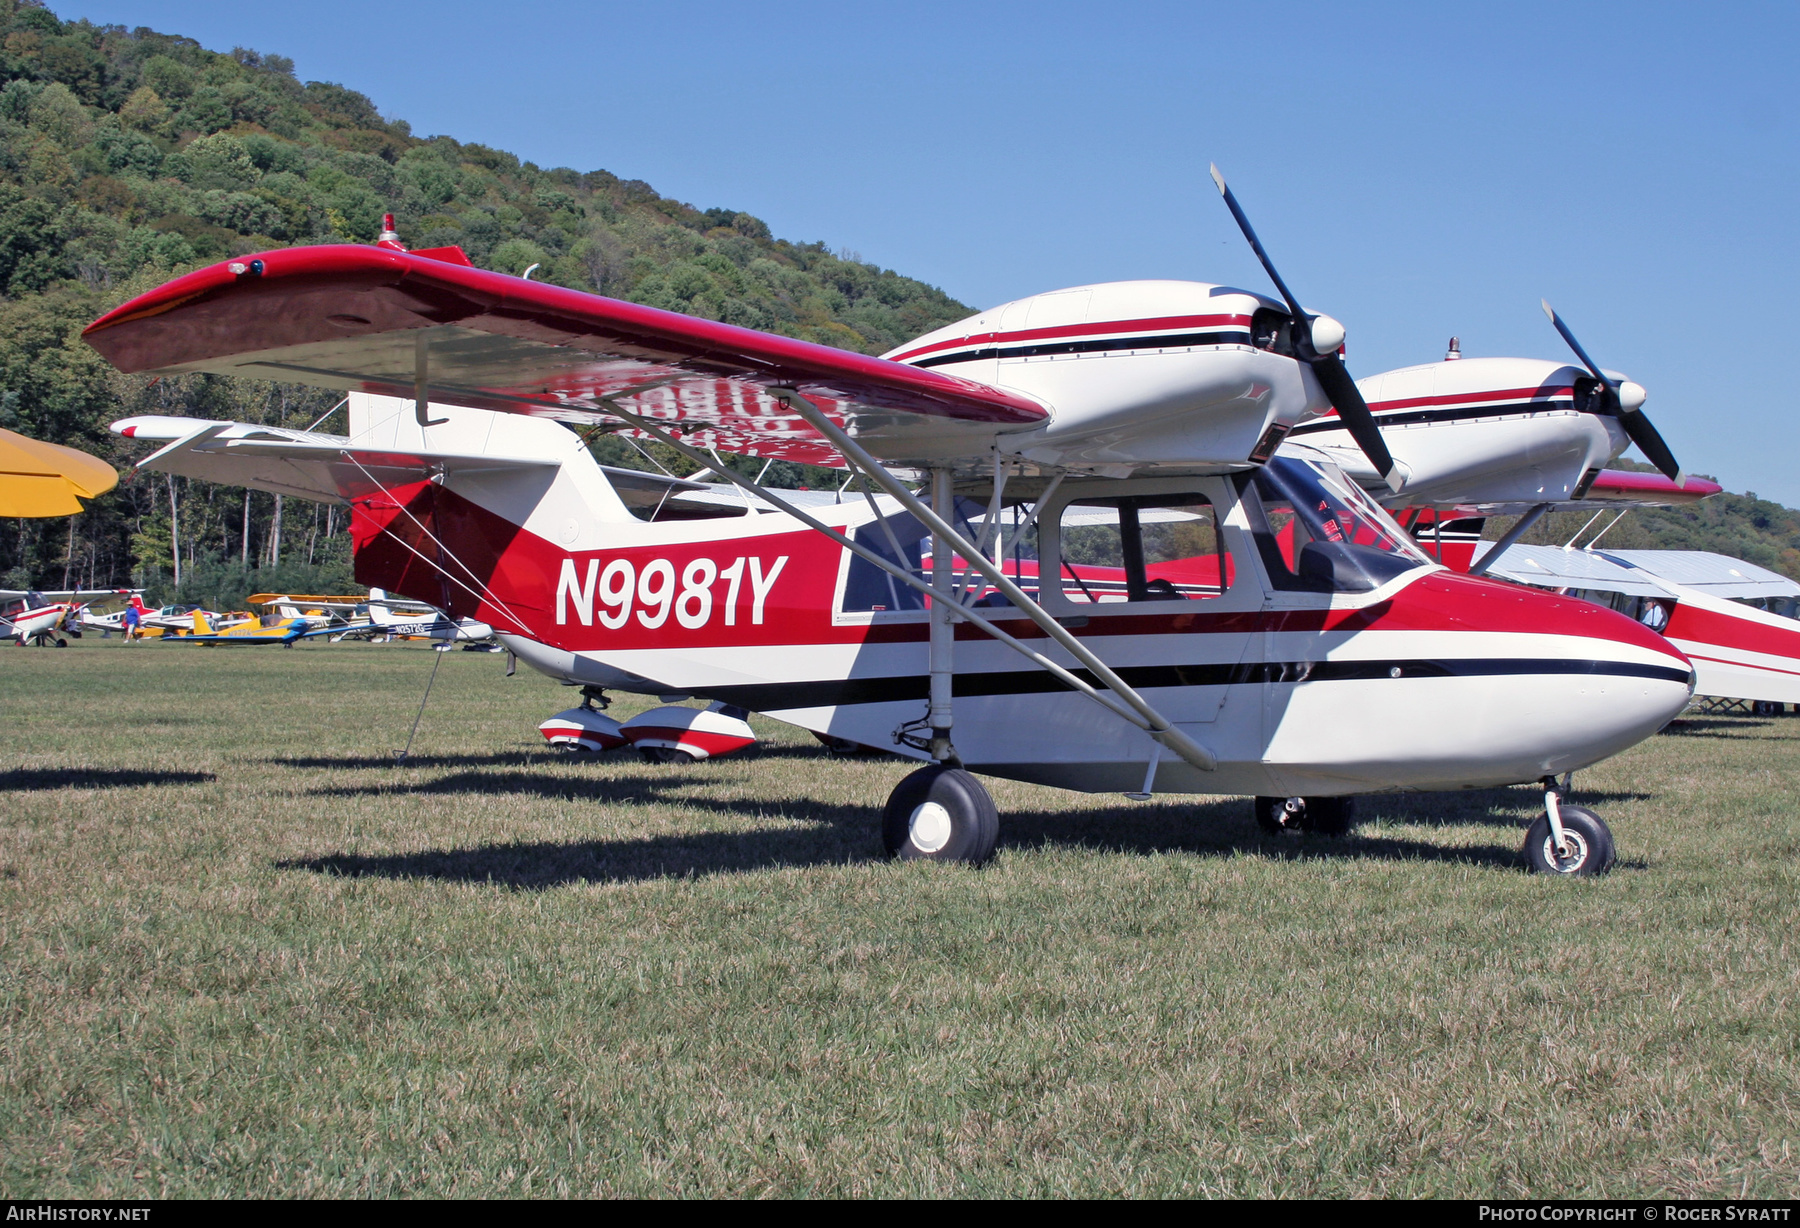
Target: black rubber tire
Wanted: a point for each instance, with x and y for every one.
(665, 754)
(1764, 707)
(61, 643)
(1322, 816)
(1592, 838)
(973, 822)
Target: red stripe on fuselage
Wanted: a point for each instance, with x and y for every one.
(1710, 627)
(1103, 328)
(1545, 395)
(523, 570)
(1476, 398)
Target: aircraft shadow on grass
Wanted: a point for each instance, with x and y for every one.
(535, 757)
(29, 780)
(1727, 728)
(842, 834)
(510, 758)
(1514, 807)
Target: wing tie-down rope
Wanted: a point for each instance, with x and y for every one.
(489, 593)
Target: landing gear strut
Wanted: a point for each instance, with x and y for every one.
(1568, 839)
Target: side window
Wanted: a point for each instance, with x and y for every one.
(871, 589)
(868, 587)
(1133, 548)
(1319, 533)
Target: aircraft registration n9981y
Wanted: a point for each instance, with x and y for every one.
(1111, 582)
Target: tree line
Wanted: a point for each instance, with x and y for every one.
(129, 156)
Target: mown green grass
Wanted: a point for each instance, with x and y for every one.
(243, 954)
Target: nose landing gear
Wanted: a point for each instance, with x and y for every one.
(1568, 839)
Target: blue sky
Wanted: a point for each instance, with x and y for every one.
(1417, 170)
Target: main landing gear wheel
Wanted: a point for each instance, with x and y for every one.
(940, 814)
(1323, 816)
(665, 754)
(1589, 849)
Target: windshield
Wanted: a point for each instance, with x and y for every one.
(1318, 532)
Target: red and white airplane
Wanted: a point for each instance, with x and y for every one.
(1275, 632)
(46, 617)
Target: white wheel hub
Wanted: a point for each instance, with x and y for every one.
(1577, 854)
(930, 827)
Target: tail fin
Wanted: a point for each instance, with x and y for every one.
(521, 495)
(494, 476)
(201, 625)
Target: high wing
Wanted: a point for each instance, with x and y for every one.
(399, 323)
(1609, 488)
(1645, 489)
(66, 594)
(309, 600)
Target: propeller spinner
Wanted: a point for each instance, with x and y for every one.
(1317, 339)
(1623, 400)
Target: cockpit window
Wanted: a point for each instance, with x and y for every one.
(1318, 532)
(1141, 548)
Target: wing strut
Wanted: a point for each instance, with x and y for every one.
(422, 380)
(1173, 738)
(1123, 701)
(1505, 543)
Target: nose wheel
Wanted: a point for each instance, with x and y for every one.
(1568, 839)
(940, 814)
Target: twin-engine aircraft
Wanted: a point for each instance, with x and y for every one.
(1111, 580)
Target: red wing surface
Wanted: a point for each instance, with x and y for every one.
(350, 318)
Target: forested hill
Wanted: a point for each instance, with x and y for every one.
(130, 156)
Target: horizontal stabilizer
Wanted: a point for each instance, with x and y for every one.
(324, 468)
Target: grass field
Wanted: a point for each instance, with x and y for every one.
(243, 954)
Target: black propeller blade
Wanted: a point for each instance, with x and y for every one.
(1322, 356)
(1637, 426)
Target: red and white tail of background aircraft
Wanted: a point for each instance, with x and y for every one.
(1131, 425)
(1735, 621)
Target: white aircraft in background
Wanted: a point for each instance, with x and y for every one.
(45, 616)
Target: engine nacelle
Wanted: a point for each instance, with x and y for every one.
(1137, 374)
(1475, 431)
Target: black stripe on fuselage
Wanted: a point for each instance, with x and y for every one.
(848, 692)
(1087, 345)
(1454, 413)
